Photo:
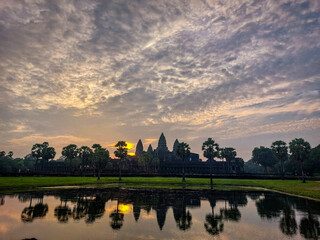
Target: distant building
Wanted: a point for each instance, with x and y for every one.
(170, 163)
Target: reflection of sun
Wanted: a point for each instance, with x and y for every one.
(131, 154)
(124, 208)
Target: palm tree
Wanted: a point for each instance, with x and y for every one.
(280, 150)
(210, 150)
(70, 152)
(300, 149)
(117, 218)
(183, 151)
(85, 154)
(229, 154)
(214, 223)
(100, 158)
(121, 153)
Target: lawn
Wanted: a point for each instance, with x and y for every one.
(309, 189)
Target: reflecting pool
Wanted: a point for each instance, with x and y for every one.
(118, 213)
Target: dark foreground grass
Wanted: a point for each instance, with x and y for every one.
(310, 189)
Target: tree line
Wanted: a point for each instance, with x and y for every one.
(296, 158)
(96, 158)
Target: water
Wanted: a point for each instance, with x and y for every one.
(157, 214)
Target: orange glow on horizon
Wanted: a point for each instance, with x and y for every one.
(129, 145)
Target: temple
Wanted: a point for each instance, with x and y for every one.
(170, 163)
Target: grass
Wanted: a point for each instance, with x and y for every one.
(310, 189)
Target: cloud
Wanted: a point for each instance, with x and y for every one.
(110, 70)
(54, 139)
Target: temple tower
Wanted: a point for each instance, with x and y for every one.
(150, 150)
(162, 149)
(175, 145)
(162, 144)
(139, 148)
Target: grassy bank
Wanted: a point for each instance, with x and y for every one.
(309, 189)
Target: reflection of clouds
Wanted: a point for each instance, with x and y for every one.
(145, 215)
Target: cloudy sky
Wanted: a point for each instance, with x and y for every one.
(245, 73)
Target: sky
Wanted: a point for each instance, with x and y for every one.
(245, 73)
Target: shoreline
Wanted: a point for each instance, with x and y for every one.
(310, 190)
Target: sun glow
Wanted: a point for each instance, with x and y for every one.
(124, 208)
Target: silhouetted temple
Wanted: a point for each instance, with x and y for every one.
(170, 163)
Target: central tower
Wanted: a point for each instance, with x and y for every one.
(162, 149)
(162, 144)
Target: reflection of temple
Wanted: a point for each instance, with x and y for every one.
(89, 205)
(170, 163)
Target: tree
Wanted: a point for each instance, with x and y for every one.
(85, 154)
(121, 153)
(210, 150)
(214, 223)
(29, 162)
(43, 153)
(70, 152)
(5, 162)
(100, 158)
(264, 157)
(288, 224)
(147, 160)
(309, 227)
(183, 151)
(280, 150)
(312, 164)
(10, 154)
(117, 218)
(300, 150)
(229, 154)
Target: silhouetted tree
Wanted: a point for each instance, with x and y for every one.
(117, 218)
(182, 217)
(299, 150)
(43, 153)
(288, 224)
(121, 153)
(29, 162)
(270, 206)
(70, 152)
(210, 150)
(264, 157)
(100, 158)
(280, 150)
(183, 151)
(86, 157)
(309, 227)
(229, 154)
(214, 224)
(37, 211)
(312, 163)
(62, 212)
(95, 208)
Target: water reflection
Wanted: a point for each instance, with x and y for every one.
(215, 212)
(117, 218)
(39, 210)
